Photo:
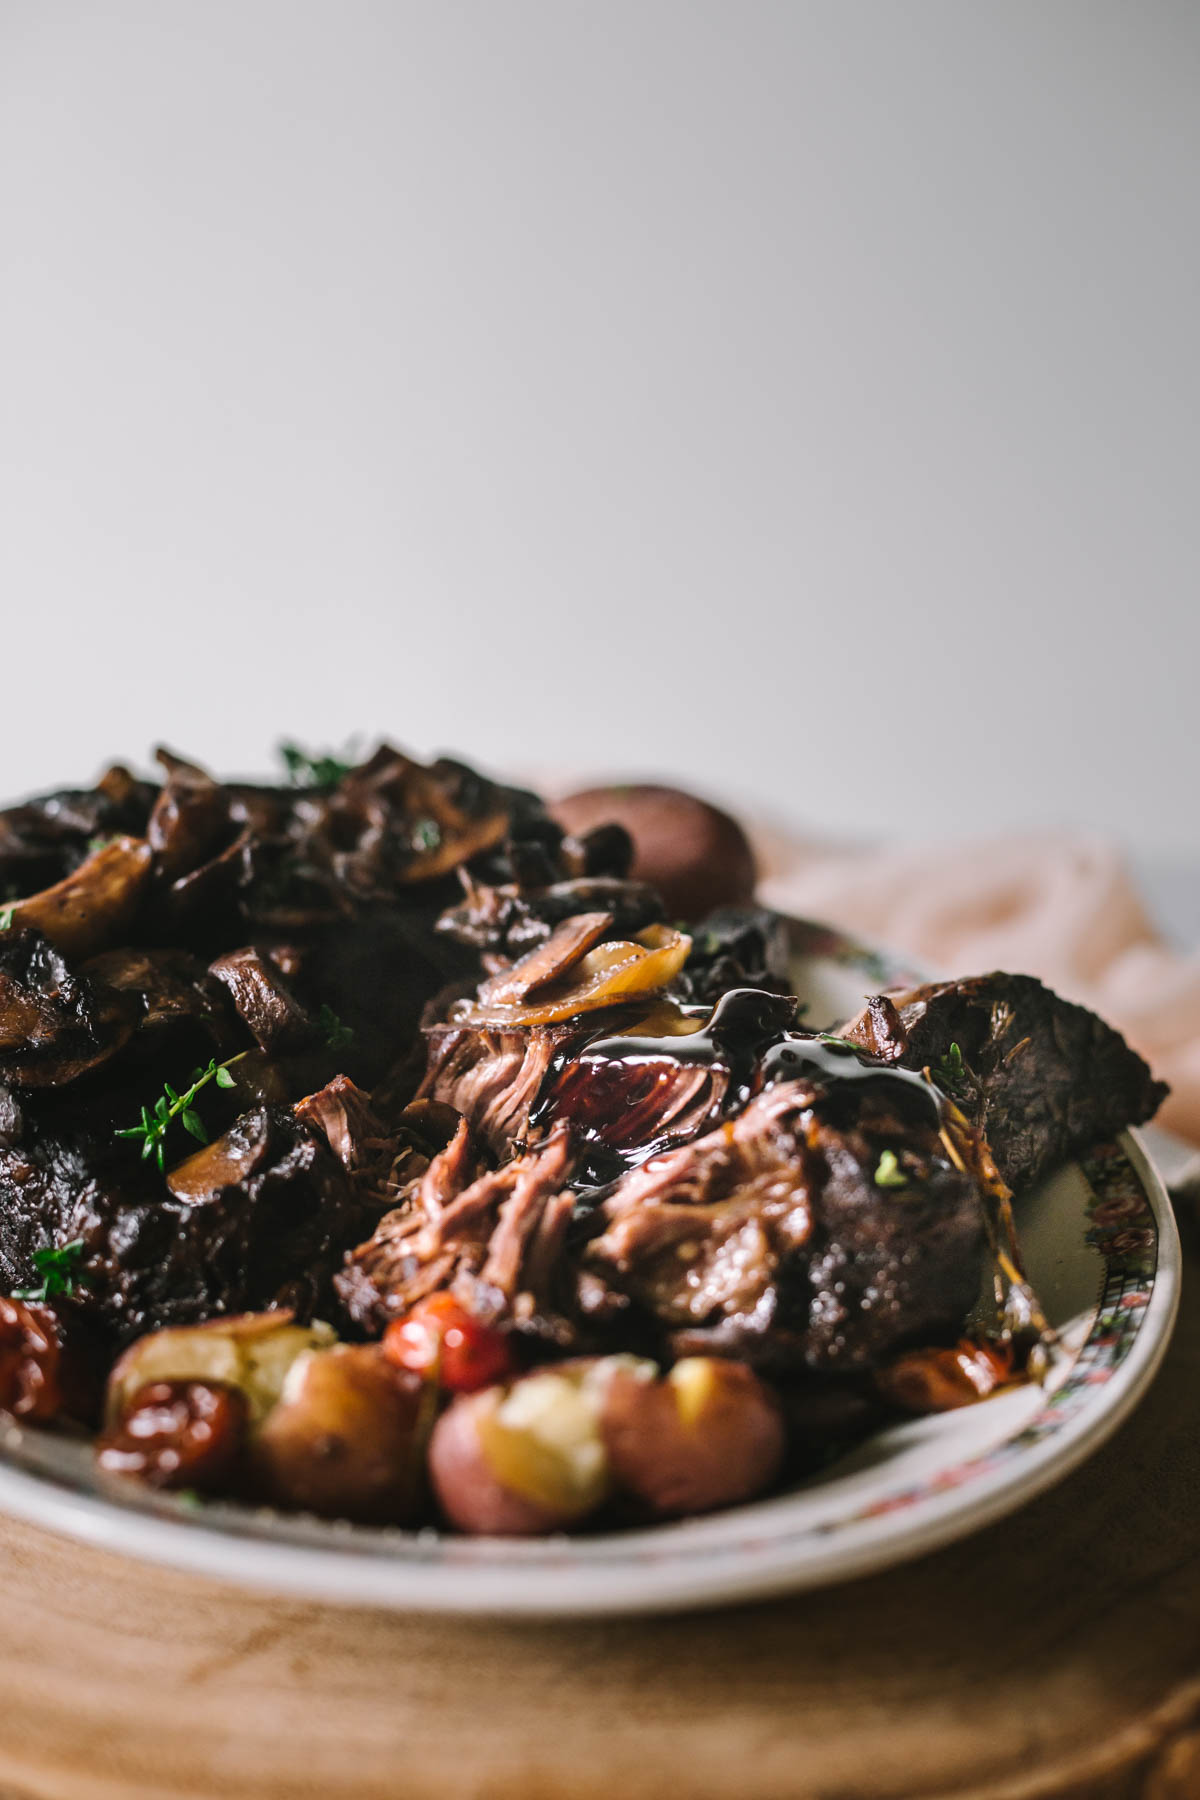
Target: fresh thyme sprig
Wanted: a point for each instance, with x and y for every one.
(170, 1106)
(336, 1035)
(306, 770)
(58, 1266)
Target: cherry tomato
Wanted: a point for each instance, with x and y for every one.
(440, 1339)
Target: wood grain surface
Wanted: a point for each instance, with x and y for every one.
(1057, 1654)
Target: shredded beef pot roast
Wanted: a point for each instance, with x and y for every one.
(333, 1048)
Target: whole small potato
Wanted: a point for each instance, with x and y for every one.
(344, 1439)
(524, 1459)
(697, 856)
(710, 1434)
(251, 1352)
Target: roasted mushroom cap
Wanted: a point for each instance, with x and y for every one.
(55, 1025)
(95, 904)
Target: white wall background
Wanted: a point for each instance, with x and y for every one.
(803, 398)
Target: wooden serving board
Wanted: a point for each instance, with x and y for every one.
(1057, 1653)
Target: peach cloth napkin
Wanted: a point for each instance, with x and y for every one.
(1062, 908)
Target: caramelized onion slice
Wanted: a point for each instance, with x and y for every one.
(92, 906)
(607, 975)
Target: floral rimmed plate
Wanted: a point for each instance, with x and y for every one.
(1101, 1246)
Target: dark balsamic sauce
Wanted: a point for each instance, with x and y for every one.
(741, 1027)
(835, 1062)
(614, 1090)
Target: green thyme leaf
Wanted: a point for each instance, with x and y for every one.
(888, 1173)
(305, 770)
(58, 1266)
(171, 1106)
(337, 1036)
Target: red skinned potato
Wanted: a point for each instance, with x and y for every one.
(520, 1460)
(709, 1434)
(345, 1439)
(697, 856)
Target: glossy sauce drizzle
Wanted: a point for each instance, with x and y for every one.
(631, 1094)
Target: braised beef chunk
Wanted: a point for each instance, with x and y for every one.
(497, 1237)
(804, 1236)
(344, 1117)
(493, 1075)
(1040, 1077)
(823, 1224)
(262, 1216)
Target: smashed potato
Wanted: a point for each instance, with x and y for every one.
(251, 1352)
(549, 1450)
(518, 1460)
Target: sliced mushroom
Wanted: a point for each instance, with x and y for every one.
(96, 903)
(190, 819)
(171, 985)
(264, 1000)
(229, 1160)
